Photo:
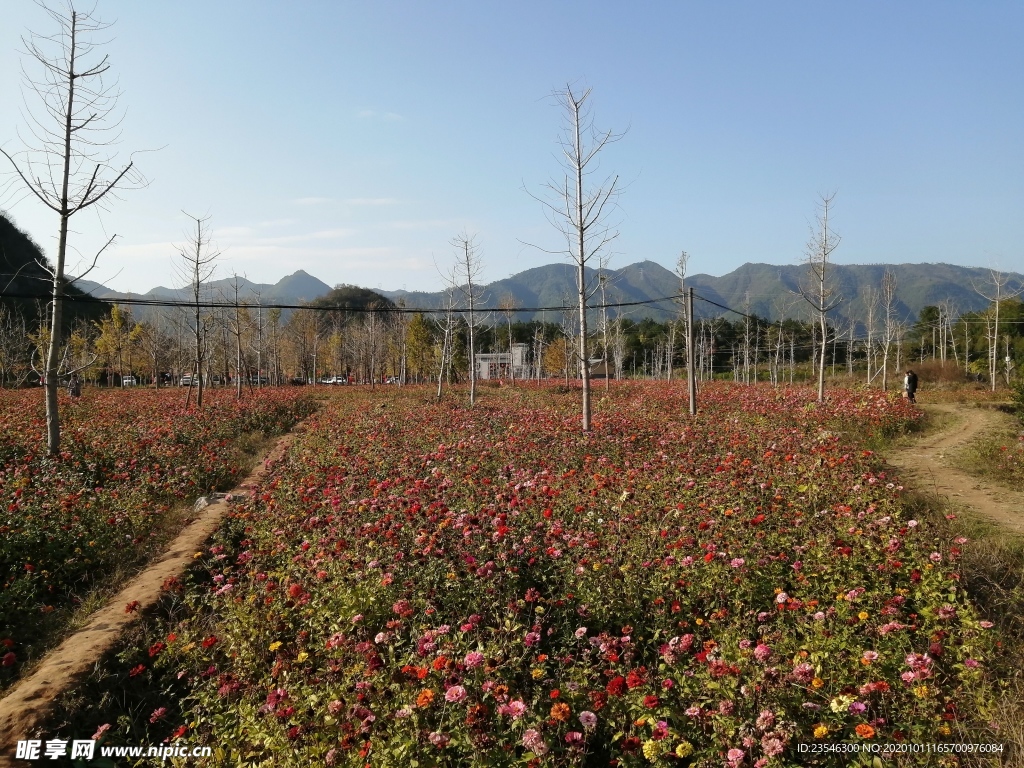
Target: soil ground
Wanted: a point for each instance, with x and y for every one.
(23, 711)
(925, 466)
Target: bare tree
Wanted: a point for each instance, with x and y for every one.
(1000, 292)
(67, 164)
(468, 268)
(578, 209)
(889, 308)
(818, 289)
(507, 307)
(198, 265)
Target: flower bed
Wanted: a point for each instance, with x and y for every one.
(127, 457)
(421, 584)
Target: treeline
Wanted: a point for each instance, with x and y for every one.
(364, 339)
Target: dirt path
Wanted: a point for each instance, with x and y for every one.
(26, 706)
(924, 466)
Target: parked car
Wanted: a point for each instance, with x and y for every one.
(188, 380)
(128, 381)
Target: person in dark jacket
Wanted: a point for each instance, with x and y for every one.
(910, 385)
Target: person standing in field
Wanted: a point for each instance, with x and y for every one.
(910, 385)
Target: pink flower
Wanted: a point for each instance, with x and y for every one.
(455, 694)
(588, 719)
(572, 738)
(772, 746)
(100, 731)
(158, 714)
(473, 659)
(580, 633)
(736, 756)
(737, 562)
(514, 709)
(762, 652)
(439, 740)
(534, 742)
(869, 656)
(531, 639)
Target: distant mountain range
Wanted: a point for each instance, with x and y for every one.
(294, 289)
(766, 290)
(762, 289)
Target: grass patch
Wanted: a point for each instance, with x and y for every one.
(997, 455)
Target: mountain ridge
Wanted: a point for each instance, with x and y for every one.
(768, 290)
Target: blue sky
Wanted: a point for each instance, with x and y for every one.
(353, 140)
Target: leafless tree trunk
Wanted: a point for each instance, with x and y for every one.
(579, 210)
(67, 168)
(871, 299)
(468, 268)
(507, 305)
(818, 291)
(999, 293)
(889, 307)
(198, 266)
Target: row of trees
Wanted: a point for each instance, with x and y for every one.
(369, 341)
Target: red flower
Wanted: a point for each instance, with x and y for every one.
(651, 701)
(295, 590)
(8, 659)
(210, 641)
(155, 649)
(617, 686)
(137, 670)
(636, 677)
(132, 607)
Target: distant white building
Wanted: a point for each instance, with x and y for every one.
(501, 365)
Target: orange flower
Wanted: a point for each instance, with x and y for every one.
(560, 711)
(865, 731)
(424, 699)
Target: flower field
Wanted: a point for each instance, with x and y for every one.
(127, 458)
(420, 584)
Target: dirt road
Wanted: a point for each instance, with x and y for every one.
(924, 465)
(26, 706)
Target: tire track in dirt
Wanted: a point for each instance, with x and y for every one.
(26, 706)
(924, 467)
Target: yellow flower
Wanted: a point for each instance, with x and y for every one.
(652, 749)
(597, 566)
(275, 645)
(537, 673)
(820, 731)
(862, 615)
(817, 682)
(197, 555)
(302, 656)
(944, 729)
(699, 622)
(921, 691)
(684, 749)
